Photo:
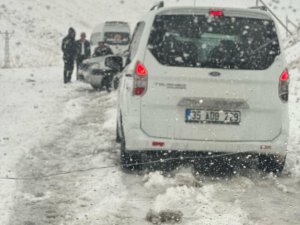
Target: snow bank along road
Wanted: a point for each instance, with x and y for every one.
(61, 134)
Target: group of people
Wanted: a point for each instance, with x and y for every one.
(79, 51)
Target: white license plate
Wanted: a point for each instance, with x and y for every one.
(212, 116)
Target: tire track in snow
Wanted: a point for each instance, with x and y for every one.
(55, 200)
(107, 196)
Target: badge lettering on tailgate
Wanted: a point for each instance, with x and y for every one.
(171, 85)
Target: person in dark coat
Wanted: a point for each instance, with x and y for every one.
(102, 50)
(69, 50)
(83, 51)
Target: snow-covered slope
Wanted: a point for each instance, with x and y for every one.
(40, 25)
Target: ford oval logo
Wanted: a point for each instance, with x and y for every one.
(214, 74)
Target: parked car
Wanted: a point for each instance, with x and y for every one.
(100, 72)
(200, 80)
(116, 34)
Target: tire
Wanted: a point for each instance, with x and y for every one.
(106, 83)
(129, 162)
(80, 77)
(118, 137)
(271, 163)
(116, 83)
(96, 87)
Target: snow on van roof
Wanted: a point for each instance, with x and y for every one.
(109, 24)
(116, 22)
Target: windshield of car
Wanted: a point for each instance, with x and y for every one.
(116, 38)
(214, 42)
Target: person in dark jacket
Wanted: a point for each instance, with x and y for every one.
(69, 54)
(102, 50)
(83, 51)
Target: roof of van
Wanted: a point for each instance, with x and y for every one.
(239, 12)
(116, 23)
(111, 26)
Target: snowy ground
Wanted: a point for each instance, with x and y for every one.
(58, 140)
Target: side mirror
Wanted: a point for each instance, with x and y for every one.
(114, 62)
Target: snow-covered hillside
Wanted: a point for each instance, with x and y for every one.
(40, 25)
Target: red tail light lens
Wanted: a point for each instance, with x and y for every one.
(216, 13)
(158, 144)
(284, 76)
(283, 87)
(140, 69)
(139, 90)
(140, 81)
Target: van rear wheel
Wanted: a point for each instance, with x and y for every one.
(271, 163)
(96, 87)
(118, 137)
(116, 83)
(129, 162)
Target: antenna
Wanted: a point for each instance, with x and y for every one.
(259, 7)
(274, 15)
(7, 35)
(158, 5)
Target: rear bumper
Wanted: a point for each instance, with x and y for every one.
(137, 140)
(93, 79)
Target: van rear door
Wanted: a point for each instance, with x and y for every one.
(212, 78)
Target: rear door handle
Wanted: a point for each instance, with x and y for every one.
(128, 75)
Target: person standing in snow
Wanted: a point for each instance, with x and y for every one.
(69, 54)
(102, 50)
(83, 51)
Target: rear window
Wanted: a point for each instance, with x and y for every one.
(116, 38)
(214, 42)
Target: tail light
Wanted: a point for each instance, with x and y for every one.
(140, 80)
(283, 88)
(158, 144)
(216, 13)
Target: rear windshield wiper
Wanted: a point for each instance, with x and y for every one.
(264, 45)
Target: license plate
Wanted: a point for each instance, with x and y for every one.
(212, 116)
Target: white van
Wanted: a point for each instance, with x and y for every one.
(204, 80)
(116, 34)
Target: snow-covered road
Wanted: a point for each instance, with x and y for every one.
(60, 139)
